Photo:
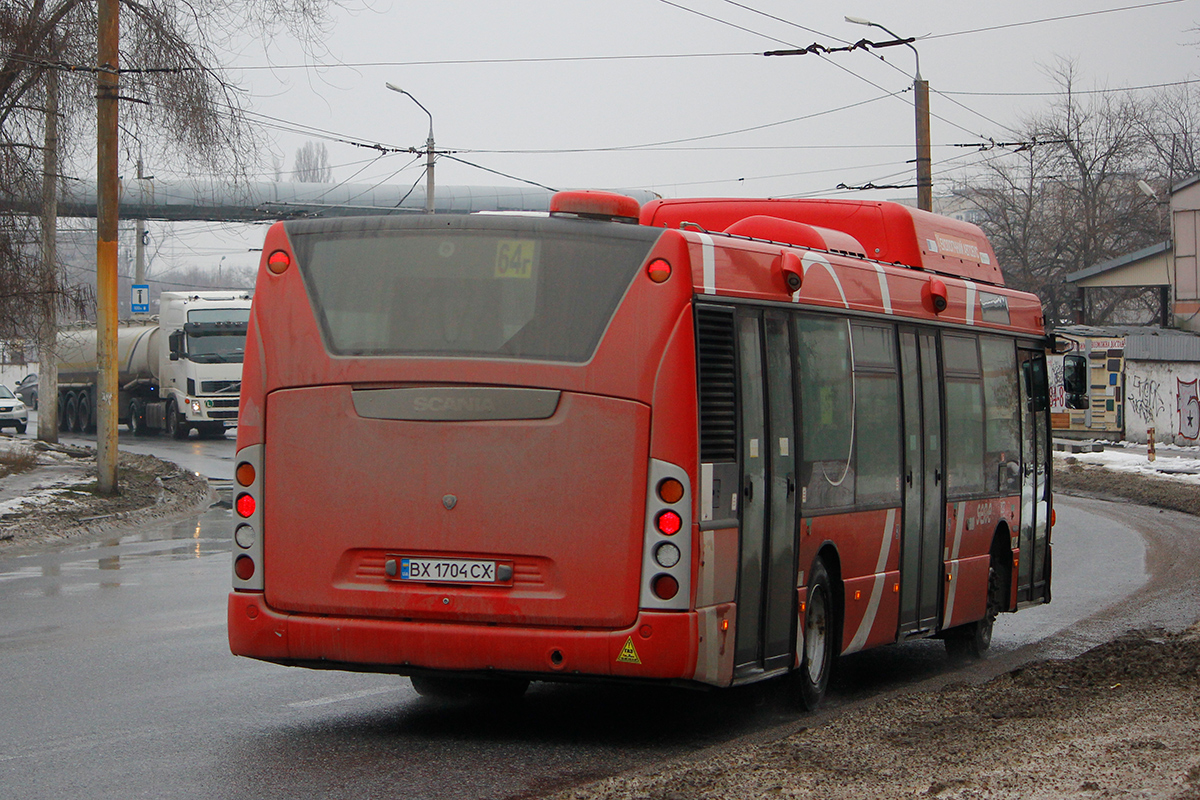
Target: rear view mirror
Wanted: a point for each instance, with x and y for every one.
(1075, 381)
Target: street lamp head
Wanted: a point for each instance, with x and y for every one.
(859, 21)
(1146, 190)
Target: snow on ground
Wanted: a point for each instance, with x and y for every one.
(53, 480)
(1171, 461)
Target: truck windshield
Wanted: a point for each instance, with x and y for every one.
(476, 287)
(217, 335)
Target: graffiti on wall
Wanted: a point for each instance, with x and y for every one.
(1188, 405)
(1143, 397)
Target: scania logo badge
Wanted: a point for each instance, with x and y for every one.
(449, 501)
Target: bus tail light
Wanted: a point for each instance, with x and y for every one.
(669, 523)
(248, 519)
(667, 539)
(243, 567)
(666, 587)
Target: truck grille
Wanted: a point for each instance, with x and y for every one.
(220, 387)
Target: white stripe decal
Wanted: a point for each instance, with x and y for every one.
(961, 514)
(970, 302)
(706, 490)
(708, 256)
(868, 621)
(883, 289)
(815, 259)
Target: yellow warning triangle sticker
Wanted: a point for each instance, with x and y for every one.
(629, 653)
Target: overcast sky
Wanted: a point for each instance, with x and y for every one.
(675, 96)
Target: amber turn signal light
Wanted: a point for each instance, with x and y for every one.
(670, 491)
(245, 474)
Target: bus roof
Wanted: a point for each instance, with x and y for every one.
(883, 231)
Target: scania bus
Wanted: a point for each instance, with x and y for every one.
(701, 442)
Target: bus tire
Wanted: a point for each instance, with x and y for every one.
(970, 642)
(820, 632)
(452, 688)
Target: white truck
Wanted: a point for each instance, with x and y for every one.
(175, 372)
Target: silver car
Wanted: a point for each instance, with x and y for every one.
(12, 411)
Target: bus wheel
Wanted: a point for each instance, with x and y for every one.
(443, 688)
(971, 641)
(819, 633)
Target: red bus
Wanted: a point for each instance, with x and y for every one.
(703, 442)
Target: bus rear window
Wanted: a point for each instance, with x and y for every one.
(539, 289)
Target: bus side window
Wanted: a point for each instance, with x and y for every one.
(1075, 381)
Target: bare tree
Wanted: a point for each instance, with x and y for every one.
(1067, 199)
(312, 163)
(178, 107)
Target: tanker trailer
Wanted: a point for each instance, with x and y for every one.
(176, 372)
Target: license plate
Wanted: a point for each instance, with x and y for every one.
(447, 570)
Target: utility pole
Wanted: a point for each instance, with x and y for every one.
(48, 330)
(924, 160)
(107, 91)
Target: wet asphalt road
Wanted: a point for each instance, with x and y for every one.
(116, 680)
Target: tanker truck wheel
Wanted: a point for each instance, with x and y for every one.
(83, 420)
(67, 414)
(174, 429)
(137, 419)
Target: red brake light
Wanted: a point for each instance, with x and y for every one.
(243, 567)
(669, 522)
(665, 587)
(245, 505)
(279, 261)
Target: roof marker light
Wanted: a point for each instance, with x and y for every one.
(658, 270)
(279, 261)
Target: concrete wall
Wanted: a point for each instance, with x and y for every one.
(1163, 396)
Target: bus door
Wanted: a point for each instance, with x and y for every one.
(924, 488)
(766, 613)
(1035, 472)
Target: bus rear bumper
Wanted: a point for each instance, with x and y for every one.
(659, 645)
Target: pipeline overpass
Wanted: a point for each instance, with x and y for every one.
(258, 201)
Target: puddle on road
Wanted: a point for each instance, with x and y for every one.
(102, 560)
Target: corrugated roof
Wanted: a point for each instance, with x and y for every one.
(1143, 342)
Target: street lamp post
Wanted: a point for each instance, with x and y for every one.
(921, 103)
(429, 151)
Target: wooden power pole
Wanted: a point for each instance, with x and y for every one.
(107, 90)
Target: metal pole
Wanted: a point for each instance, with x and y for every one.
(139, 260)
(48, 331)
(429, 170)
(107, 89)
